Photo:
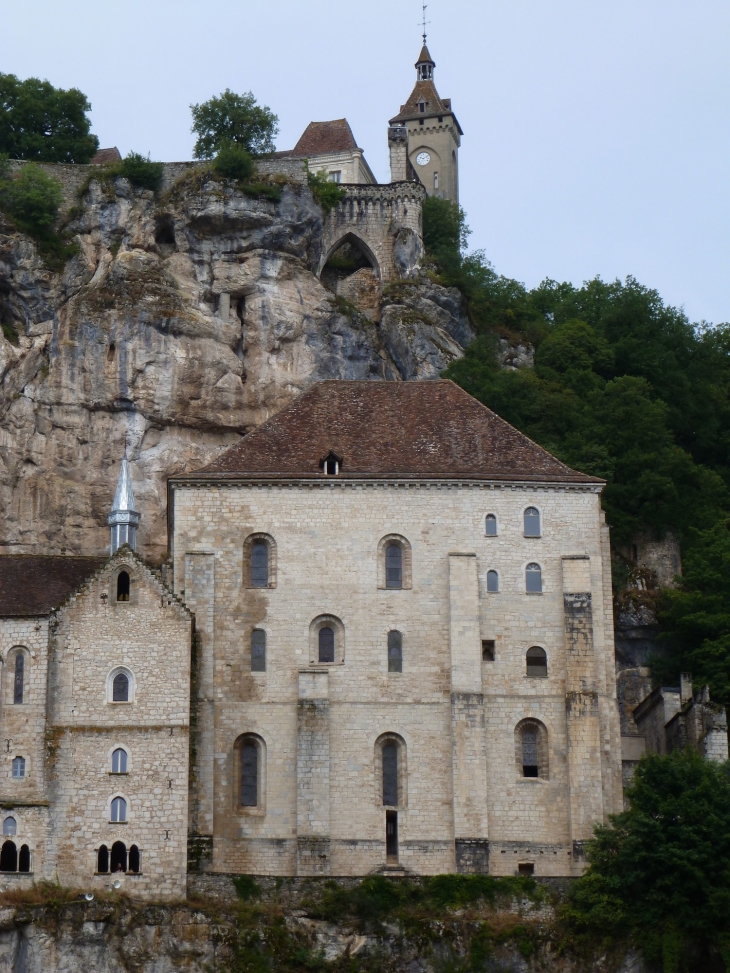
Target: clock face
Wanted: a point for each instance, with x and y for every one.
(423, 158)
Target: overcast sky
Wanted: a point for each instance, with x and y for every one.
(596, 132)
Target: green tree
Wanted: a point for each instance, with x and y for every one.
(660, 871)
(232, 118)
(234, 162)
(33, 198)
(44, 124)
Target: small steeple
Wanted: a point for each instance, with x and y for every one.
(425, 65)
(124, 519)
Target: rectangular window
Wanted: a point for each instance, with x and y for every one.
(336, 176)
(391, 834)
(488, 647)
(258, 650)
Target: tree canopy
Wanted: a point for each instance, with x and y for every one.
(232, 118)
(44, 124)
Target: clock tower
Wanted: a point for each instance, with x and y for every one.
(424, 137)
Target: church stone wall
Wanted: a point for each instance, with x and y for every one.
(460, 769)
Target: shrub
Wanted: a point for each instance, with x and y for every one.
(140, 171)
(33, 198)
(328, 194)
(263, 190)
(232, 118)
(234, 162)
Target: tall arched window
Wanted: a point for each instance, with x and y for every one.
(119, 810)
(536, 659)
(102, 859)
(120, 688)
(259, 564)
(133, 858)
(24, 859)
(395, 652)
(258, 650)
(9, 857)
(249, 774)
(19, 682)
(326, 644)
(490, 527)
(531, 748)
(533, 579)
(390, 774)
(123, 586)
(119, 761)
(10, 826)
(119, 857)
(393, 566)
(492, 581)
(18, 765)
(530, 766)
(532, 522)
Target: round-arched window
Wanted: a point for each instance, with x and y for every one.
(490, 525)
(533, 579)
(10, 826)
(532, 522)
(326, 644)
(492, 581)
(536, 659)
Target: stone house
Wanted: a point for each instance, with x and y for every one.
(330, 148)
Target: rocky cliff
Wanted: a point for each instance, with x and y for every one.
(184, 319)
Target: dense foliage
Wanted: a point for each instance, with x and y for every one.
(32, 198)
(623, 386)
(327, 193)
(234, 162)
(660, 872)
(232, 118)
(140, 171)
(44, 124)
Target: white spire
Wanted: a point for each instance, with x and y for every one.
(124, 519)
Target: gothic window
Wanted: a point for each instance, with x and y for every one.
(258, 650)
(492, 581)
(259, 564)
(123, 586)
(119, 857)
(395, 652)
(119, 761)
(533, 579)
(24, 859)
(536, 662)
(532, 522)
(9, 857)
(249, 774)
(326, 644)
(531, 749)
(10, 826)
(490, 525)
(102, 859)
(19, 680)
(133, 858)
(119, 810)
(393, 566)
(390, 774)
(120, 688)
(18, 767)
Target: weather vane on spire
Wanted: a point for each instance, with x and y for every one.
(425, 22)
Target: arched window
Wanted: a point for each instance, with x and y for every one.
(533, 579)
(18, 767)
(258, 650)
(259, 564)
(326, 644)
(393, 566)
(123, 586)
(249, 774)
(133, 858)
(19, 681)
(9, 857)
(119, 810)
(490, 525)
(531, 749)
(119, 761)
(390, 774)
(532, 522)
(120, 688)
(395, 652)
(530, 766)
(119, 857)
(492, 581)
(24, 859)
(102, 859)
(536, 662)
(10, 826)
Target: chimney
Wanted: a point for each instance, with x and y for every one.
(398, 145)
(685, 687)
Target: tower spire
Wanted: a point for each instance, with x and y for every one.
(124, 519)
(425, 22)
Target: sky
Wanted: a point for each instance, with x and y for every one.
(596, 132)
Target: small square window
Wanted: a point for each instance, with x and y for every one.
(526, 868)
(488, 647)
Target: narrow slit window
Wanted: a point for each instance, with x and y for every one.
(260, 564)
(326, 644)
(492, 582)
(532, 522)
(119, 761)
(18, 767)
(258, 650)
(536, 662)
(249, 774)
(393, 566)
(120, 688)
(530, 767)
(391, 834)
(533, 579)
(19, 681)
(119, 810)
(390, 774)
(123, 586)
(490, 525)
(395, 652)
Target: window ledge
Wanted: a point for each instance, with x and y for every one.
(252, 812)
(118, 773)
(112, 874)
(531, 780)
(120, 702)
(22, 874)
(532, 594)
(125, 823)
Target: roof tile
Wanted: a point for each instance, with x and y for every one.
(33, 584)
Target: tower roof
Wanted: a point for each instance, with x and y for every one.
(321, 137)
(425, 58)
(124, 498)
(389, 430)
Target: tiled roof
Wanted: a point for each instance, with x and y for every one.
(425, 56)
(33, 584)
(425, 90)
(321, 137)
(104, 156)
(389, 430)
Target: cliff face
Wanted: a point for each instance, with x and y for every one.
(183, 321)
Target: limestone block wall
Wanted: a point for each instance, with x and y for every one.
(326, 537)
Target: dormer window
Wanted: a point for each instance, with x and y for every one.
(422, 107)
(331, 464)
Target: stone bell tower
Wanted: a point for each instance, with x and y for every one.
(424, 137)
